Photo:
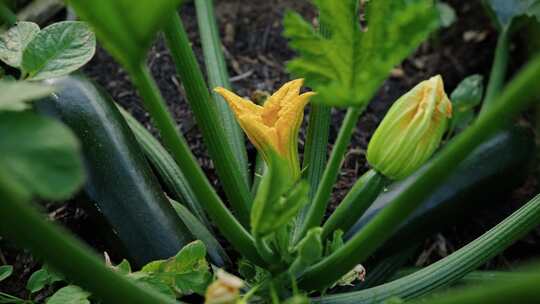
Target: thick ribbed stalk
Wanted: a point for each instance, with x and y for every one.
(220, 149)
(316, 145)
(21, 223)
(363, 193)
(519, 289)
(205, 194)
(454, 266)
(320, 201)
(514, 99)
(216, 70)
(498, 70)
(173, 177)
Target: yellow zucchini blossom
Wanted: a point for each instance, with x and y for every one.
(411, 131)
(273, 127)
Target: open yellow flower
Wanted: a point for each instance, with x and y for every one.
(275, 125)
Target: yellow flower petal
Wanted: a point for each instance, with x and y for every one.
(238, 104)
(274, 125)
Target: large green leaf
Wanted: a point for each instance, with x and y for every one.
(347, 68)
(125, 27)
(15, 95)
(70, 295)
(186, 273)
(40, 154)
(506, 10)
(58, 49)
(14, 41)
(41, 278)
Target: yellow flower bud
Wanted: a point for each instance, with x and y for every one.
(275, 125)
(411, 130)
(224, 290)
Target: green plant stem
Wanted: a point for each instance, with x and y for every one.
(229, 169)
(363, 193)
(223, 218)
(498, 70)
(473, 277)
(320, 201)
(514, 99)
(7, 15)
(11, 299)
(24, 225)
(316, 145)
(260, 169)
(453, 267)
(266, 252)
(522, 289)
(216, 70)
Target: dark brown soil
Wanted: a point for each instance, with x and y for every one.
(256, 53)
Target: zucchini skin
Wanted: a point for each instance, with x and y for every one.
(119, 179)
(493, 168)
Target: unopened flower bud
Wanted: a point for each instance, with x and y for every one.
(411, 130)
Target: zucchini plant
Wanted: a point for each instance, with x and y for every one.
(431, 150)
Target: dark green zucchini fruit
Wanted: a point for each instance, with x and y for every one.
(119, 179)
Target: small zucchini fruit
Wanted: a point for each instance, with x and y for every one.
(492, 169)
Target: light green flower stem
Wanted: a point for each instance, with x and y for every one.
(223, 218)
(320, 201)
(20, 222)
(498, 70)
(363, 193)
(514, 99)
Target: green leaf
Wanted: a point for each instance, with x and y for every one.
(126, 28)
(186, 273)
(308, 251)
(347, 68)
(14, 41)
(5, 272)
(335, 243)
(465, 97)
(39, 279)
(216, 253)
(40, 154)
(506, 10)
(58, 50)
(447, 15)
(70, 295)
(14, 95)
(277, 201)
(124, 267)
(153, 282)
